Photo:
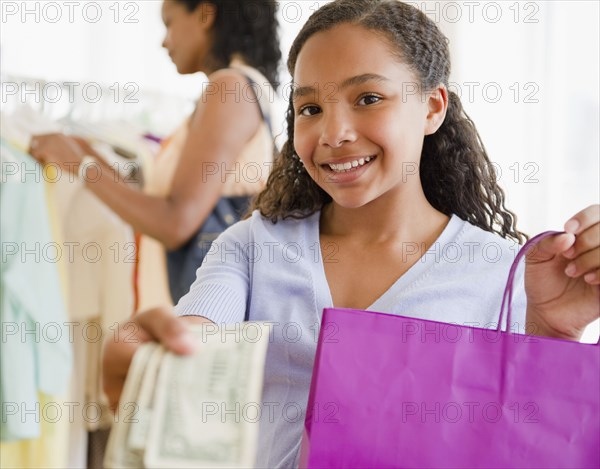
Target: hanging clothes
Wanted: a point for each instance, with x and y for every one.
(100, 252)
(50, 447)
(36, 353)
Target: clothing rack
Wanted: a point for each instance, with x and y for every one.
(91, 102)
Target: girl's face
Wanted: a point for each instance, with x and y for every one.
(360, 120)
(188, 38)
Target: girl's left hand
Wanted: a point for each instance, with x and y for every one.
(59, 149)
(562, 279)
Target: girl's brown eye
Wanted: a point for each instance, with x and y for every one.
(309, 110)
(369, 99)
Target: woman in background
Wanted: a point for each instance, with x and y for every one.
(224, 149)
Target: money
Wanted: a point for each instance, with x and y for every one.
(117, 453)
(193, 411)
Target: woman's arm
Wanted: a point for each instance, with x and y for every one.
(223, 124)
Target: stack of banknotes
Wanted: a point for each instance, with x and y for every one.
(184, 411)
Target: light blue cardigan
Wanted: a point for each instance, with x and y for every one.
(262, 271)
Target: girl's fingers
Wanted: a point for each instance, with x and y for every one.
(167, 329)
(548, 248)
(593, 278)
(157, 324)
(116, 358)
(583, 220)
(584, 264)
(585, 241)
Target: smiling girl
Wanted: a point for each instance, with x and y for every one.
(375, 187)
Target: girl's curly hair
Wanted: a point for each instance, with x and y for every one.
(248, 28)
(456, 173)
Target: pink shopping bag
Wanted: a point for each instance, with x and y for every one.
(385, 394)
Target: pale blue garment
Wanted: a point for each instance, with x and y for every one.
(275, 272)
(36, 349)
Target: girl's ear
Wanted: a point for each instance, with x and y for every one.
(207, 13)
(437, 103)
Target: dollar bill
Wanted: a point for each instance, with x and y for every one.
(195, 411)
(118, 455)
(138, 428)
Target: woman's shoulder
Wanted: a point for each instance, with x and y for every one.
(239, 72)
(249, 72)
(223, 83)
(223, 74)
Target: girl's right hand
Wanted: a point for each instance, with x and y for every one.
(158, 324)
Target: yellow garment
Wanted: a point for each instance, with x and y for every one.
(51, 174)
(248, 177)
(47, 451)
(152, 281)
(100, 269)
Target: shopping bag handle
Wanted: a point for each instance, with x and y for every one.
(508, 290)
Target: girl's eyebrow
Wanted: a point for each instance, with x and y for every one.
(301, 91)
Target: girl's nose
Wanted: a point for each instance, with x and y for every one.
(337, 129)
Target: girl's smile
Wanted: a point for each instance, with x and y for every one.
(346, 170)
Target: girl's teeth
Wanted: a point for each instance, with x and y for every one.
(343, 167)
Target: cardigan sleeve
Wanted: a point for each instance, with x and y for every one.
(220, 291)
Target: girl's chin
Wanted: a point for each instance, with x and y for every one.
(350, 204)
